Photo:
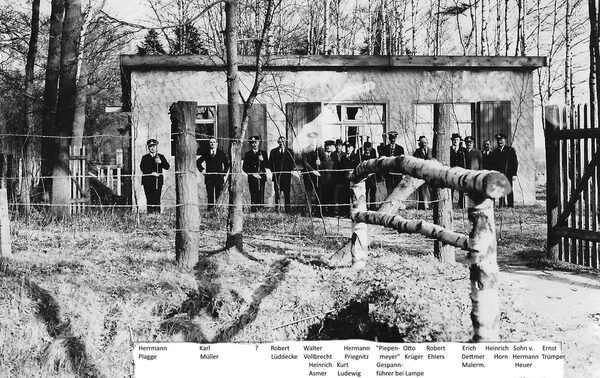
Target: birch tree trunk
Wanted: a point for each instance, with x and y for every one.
(568, 54)
(71, 33)
(326, 28)
(498, 26)
(593, 52)
(28, 150)
(235, 219)
(442, 198)
(484, 49)
(413, 16)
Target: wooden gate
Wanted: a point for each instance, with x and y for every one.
(79, 190)
(572, 176)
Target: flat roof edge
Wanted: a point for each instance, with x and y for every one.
(324, 62)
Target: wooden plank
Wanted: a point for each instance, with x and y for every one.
(572, 183)
(564, 182)
(595, 201)
(552, 179)
(569, 232)
(578, 165)
(589, 170)
(583, 116)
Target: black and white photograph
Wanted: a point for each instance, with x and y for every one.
(289, 171)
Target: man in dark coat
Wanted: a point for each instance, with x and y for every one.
(458, 158)
(474, 157)
(505, 160)
(392, 149)
(349, 161)
(368, 153)
(217, 166)
(486, 156)
(281, 163)
(310, 174)
(328, 178)
(423, 152)
(255, 164)
(339, 177)
(152, 166)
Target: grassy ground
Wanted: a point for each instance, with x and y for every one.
(77, 294)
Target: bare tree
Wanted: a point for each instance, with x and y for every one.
(28, 153)
(71, 34)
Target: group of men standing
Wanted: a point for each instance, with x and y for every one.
(325, 170)
(502, 159)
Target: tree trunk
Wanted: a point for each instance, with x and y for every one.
(593, 50)
(484, 49)
(71, 34)
(506, 39)
(80, 100)
(519, 26)
(326, 28)
(413, 15)
(498, 25)
(442, 198)
(235, 219)
(28, 150)
(183, 115)
(51, 87)
(568, 58)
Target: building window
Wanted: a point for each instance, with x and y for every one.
(354, 122)
(205, 128)
(463, 117)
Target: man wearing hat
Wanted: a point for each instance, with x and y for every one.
(423, 152)
(474, 158)
(152, 166)
(282, 163)
(486, 158)
(368, 153)
(255, 164)
(350, 160)
(310, 174)
(217, 166)
(458, 158)
(327, 179)
(340, 179)
(504, 160)
(392, 149)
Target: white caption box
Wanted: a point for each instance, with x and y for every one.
(349, 358)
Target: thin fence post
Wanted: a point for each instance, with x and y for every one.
(552, 179)
(183, 115)
(5, 245)
(485, 313)
(359, 242)
(442, 198)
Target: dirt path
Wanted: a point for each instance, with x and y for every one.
(555, 306)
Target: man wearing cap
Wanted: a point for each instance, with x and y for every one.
(255, 164)
(217, 166)
(474, 157)
(368, 153)
(504, 160)
(152, 166)
(486, 155)
(282, 163)
(350, 160)
(339, 176)
(458, 158)
(392, 149)
(310, 174)
(327, 180)
(423, 152)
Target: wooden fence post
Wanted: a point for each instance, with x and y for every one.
(360, 243)
(442, 198)
(5, 245)
(183, 115)
(552, 179)
(485, 313)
